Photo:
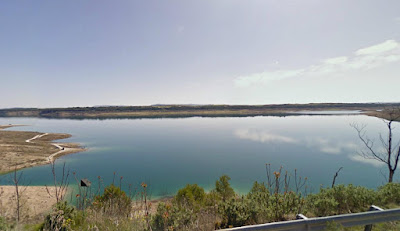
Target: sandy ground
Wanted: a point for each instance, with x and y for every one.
(22, 149)
(36, 202)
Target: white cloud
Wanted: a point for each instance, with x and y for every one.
(262, 136)
(362, 59)
(265, 77)
(331, 150)
(337, 60)
(361, 159)
(378, 48)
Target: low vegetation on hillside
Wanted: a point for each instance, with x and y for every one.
(280, 198)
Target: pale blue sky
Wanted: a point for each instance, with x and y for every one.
(97, 52)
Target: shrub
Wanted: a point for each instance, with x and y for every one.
(191, 209)
(359, 199)
(4, 225)
(61, 218)
(341, 199)
(259, 203)
(223, 188)
(389, 193)
(161, 220)
(191, 194)
(235, 212)
(284, 204)
(322, 204)
(173, 216)
(113, 202)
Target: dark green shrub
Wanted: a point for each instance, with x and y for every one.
(341, 199)
(113, 202)
(322, 204)
(61, 218)
(223, 188)
(359, 199)
(175, 217)
(259, 203)
(235, 212)
(192, 194)
(389, 193)
(185, 212)
(212, 199)
(161, 220)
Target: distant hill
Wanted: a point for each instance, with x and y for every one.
(189, 110)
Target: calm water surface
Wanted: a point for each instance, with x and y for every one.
(170, 153)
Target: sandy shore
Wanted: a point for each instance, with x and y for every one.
(22, 149)
(35, 201)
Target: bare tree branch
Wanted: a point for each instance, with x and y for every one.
(389, 157)
(336, 175)
(368, 143)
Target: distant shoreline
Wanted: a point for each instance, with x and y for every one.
(183, 111)
(24, 149)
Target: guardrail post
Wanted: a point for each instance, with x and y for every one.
(372, 208)
(302, 217)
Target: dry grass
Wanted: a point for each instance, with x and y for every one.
(382, 115)
(35, 202)
(16, 153)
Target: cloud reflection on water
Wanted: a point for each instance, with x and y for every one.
(330, 146)
(262, 136)
(324, 145)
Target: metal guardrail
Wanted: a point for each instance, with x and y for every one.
(375, 215)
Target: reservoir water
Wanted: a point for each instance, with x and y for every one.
(169, 153)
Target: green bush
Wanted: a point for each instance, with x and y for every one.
(235, 212)
(173, 216)
(61, 218)
(161, 220)
(4, 225)
(284, 204)
(341, 199)
(191, 209)
(389, 193)
(223, 188)
(113, 202)
(194, 209)
(191, 194)
(322, 205)
(259, 203)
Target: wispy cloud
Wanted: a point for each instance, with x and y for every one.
(262, 136)
(362, 59)
(361, 159)
(386, 46)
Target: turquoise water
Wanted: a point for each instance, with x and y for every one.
(170, 153)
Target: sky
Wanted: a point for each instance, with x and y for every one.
(135, 52)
